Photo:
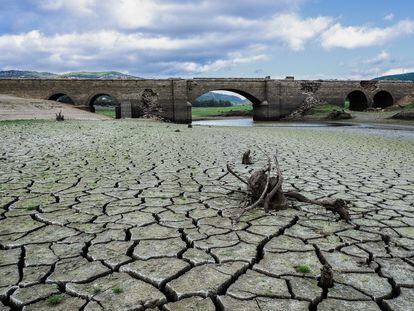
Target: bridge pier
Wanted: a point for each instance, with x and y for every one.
(181, 106)
(125, 110)
(271, 108)
(261, 111)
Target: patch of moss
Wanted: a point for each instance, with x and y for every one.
(324, 109)
(303, 269)
(117, 290)
(54, 300)
(410, 106)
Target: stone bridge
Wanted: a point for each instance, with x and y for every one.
(272, 99)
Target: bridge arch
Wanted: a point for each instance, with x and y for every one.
(358, 100)
(61, 97)
(105, 99)
(383, 99)
(255, 102)
(248, 95)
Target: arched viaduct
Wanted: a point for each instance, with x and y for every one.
(272, 99)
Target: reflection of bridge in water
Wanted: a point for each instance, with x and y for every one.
(271, 99)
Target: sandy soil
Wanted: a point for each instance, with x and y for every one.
(15, 108)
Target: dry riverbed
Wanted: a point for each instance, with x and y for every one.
(16, 108)
(135, 215)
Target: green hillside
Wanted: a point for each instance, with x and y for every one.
(402, 77)
(19, 74)
(213, 97)
(97, 75)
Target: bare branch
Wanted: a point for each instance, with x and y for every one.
(265, 154)
(272, 193)
(262, 196)
(236, 175)
(277, 187)
(338, 206)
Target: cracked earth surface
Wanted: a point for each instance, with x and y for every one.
(137, 216)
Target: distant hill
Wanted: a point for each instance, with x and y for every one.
(96, 75)
(219, 97)
(402, 77)
(18, 74)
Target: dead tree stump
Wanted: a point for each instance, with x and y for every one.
(59, 116)
(247, 159)
(326, 279)
(267, 191)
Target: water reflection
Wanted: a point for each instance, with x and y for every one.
(247, 122)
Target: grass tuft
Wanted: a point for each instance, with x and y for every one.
(97, 290)
(54, 300)
(303, 269)
(117, 290)
(324, 109)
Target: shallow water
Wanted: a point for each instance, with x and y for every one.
(247, 122)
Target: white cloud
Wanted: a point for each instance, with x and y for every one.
(384, 55)
(231, 61)
(76, 50)
(296, 31)
(156, 37)
(352, 37)
(396, 71)
(132, 14)
(381, 58)
(389, 17)
(167, 15)
(78, 7)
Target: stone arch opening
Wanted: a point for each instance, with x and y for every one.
(61, 98)
(104, 104)
(224, 103)
(383, 99)
(357, 101)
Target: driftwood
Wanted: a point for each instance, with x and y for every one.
(247, 158)
(59, 116)
(326, 279)
(266, 191)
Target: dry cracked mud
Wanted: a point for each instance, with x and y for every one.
(134, 215)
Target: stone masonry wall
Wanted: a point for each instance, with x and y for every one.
(271, 99)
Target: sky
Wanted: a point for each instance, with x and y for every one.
(308, 39)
